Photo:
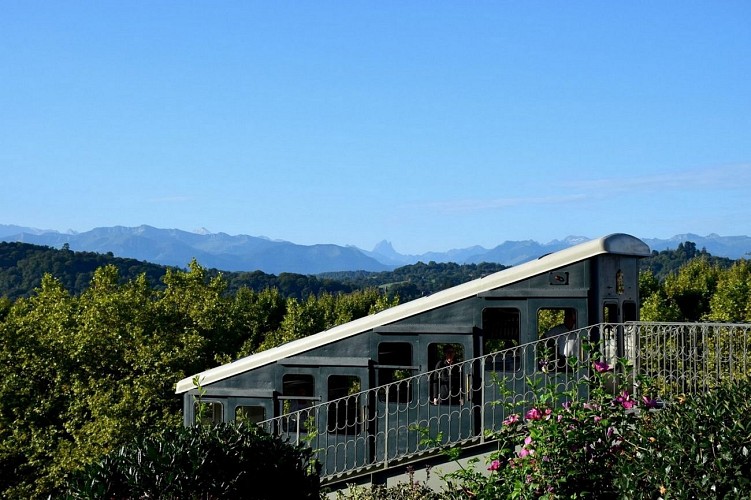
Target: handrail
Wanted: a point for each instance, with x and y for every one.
(373, 428)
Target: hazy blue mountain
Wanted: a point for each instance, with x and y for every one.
(175, 247)
(215, 250)
(732, 247)
(384, 252)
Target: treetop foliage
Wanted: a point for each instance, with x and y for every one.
(667, 262)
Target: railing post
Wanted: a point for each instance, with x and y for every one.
(481, 373)
(385, 428)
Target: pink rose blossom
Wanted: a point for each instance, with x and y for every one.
(511, 419)
(625, 400)
(649, 402)
(601, 366)
(534, 414)
(494, 465)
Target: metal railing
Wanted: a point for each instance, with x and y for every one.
(371, 429)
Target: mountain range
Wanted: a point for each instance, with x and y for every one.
(174, 247)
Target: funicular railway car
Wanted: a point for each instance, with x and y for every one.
(358, 391)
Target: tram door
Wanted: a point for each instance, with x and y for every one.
(250, 410)
(399, 401)
(561, 358)
(415, 399)
(343, 431)
(503, 362)
(452, 377)
(297, 405)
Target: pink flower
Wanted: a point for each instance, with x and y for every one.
(534, 414)
(601, 366)
(511, 419)
(494, 465)
(625, 400)
(525, 450)
(649, 402)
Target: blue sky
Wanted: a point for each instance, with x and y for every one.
(434, 125)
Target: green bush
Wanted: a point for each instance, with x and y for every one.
(698, 447)
(618, 447)
(560, 447)
(409, 490)
(221, 461)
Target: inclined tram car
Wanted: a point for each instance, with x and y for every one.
(367, 380)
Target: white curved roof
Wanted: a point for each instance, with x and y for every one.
(622, 244)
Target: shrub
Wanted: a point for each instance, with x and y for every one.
(409, 490)
(618, 447)
(561, 447)
(698, 447)
(220, 461)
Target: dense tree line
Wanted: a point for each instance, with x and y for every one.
(416, 280)
(22, 266)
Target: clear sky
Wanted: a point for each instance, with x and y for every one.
(432, 124)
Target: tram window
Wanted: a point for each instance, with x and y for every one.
(395, 365)
(619, 286)
(208, 412)
(610, 313)
(250, 414)
(501, 331)
(552, 324)
(446, 380)
(629, 311)
(297, 385)
(629, 337)
(343, 404)
(437, 352)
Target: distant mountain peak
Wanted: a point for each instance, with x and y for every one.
(384, 247)
(569, 240)
(202, 230)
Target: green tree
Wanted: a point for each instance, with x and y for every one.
(692, 288)
(731, 302)
(257, 314)
(35, 391)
